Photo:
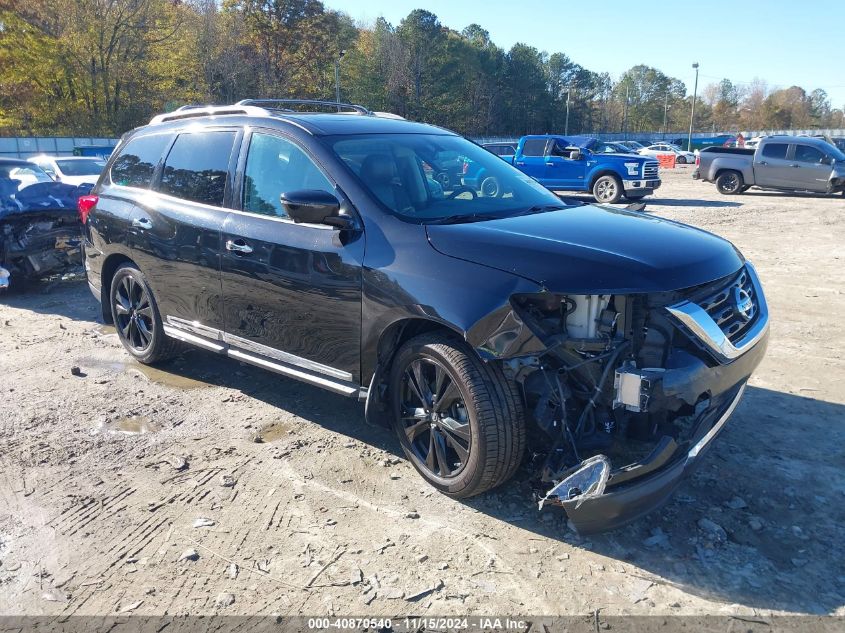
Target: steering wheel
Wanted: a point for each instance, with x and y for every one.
(459, 190)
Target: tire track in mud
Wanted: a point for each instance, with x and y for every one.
(525, 592)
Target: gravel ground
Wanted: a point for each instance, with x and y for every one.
(126, 489)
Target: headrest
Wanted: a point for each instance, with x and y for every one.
(378, 169)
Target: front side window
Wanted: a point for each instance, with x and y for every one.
(197, 166)
(275, 165)
(807, 154)
(137, 161)
(775, 150)
(399, 170)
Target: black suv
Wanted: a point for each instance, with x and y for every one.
(321, 246)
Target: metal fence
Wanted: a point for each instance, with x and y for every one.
(24, 147)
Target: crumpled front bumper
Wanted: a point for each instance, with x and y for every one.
(650, 483)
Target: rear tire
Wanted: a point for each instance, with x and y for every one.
(459, 420)
(490, 187)
(607, 190)
(681, 160)
(137, 319)
(730, 183)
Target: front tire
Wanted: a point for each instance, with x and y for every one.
(607, 189)
(137, 319)
(459, 420)
(730, 183)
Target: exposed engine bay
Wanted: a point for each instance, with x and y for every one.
(39, 232)
(629, 384)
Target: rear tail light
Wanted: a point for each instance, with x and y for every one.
(85, 204)
(698, 160)
(466, 167)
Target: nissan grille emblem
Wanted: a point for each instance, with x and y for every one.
(744, 304)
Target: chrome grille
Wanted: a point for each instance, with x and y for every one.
(727, 321)
(723, 306)
(650, 171)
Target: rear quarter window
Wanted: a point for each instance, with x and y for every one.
(137, 161)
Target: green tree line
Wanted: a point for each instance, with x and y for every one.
(101, 67)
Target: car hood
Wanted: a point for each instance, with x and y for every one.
(590, 249)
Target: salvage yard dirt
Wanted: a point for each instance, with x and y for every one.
(205, 486)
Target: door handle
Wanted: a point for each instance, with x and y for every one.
(238, 246)
(762, 162)
(142, 223)
(796, 166)
(520, 163)
(550, 164)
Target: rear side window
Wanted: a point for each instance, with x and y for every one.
(534, 147)
(197, 166)
(137, 161)
(775, 150)
(807, 154)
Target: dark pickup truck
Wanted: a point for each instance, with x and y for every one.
(785, 163)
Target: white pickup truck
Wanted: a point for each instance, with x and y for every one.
(786, 163)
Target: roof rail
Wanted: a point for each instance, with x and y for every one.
(275, 103)
(188, 112)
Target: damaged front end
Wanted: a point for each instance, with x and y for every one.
(39, 233)
(630, 389)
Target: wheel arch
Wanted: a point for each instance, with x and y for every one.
(603, 172)
(391, 339)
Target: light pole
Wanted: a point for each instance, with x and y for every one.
(625, 113)
(692, 113)
(665, 113)
(566, 127)
(337, 78)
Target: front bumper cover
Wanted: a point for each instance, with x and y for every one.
(641, 185)
(634, 491)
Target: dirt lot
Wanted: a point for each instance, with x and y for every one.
(128, 489)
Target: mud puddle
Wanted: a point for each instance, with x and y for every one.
(273, 432)
(153, 374)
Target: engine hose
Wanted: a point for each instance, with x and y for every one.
(611, 362)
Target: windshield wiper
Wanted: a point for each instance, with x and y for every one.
(481, 217)
(461, 218)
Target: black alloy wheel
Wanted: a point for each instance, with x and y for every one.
(435, 418)
(137, 319)
(133, 314)
(459, 419)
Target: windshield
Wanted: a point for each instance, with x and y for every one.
(836, 153)
(433, 178)
(83, 167)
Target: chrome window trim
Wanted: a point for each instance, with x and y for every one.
(693, 317)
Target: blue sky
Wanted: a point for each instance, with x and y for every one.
(785, 42)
